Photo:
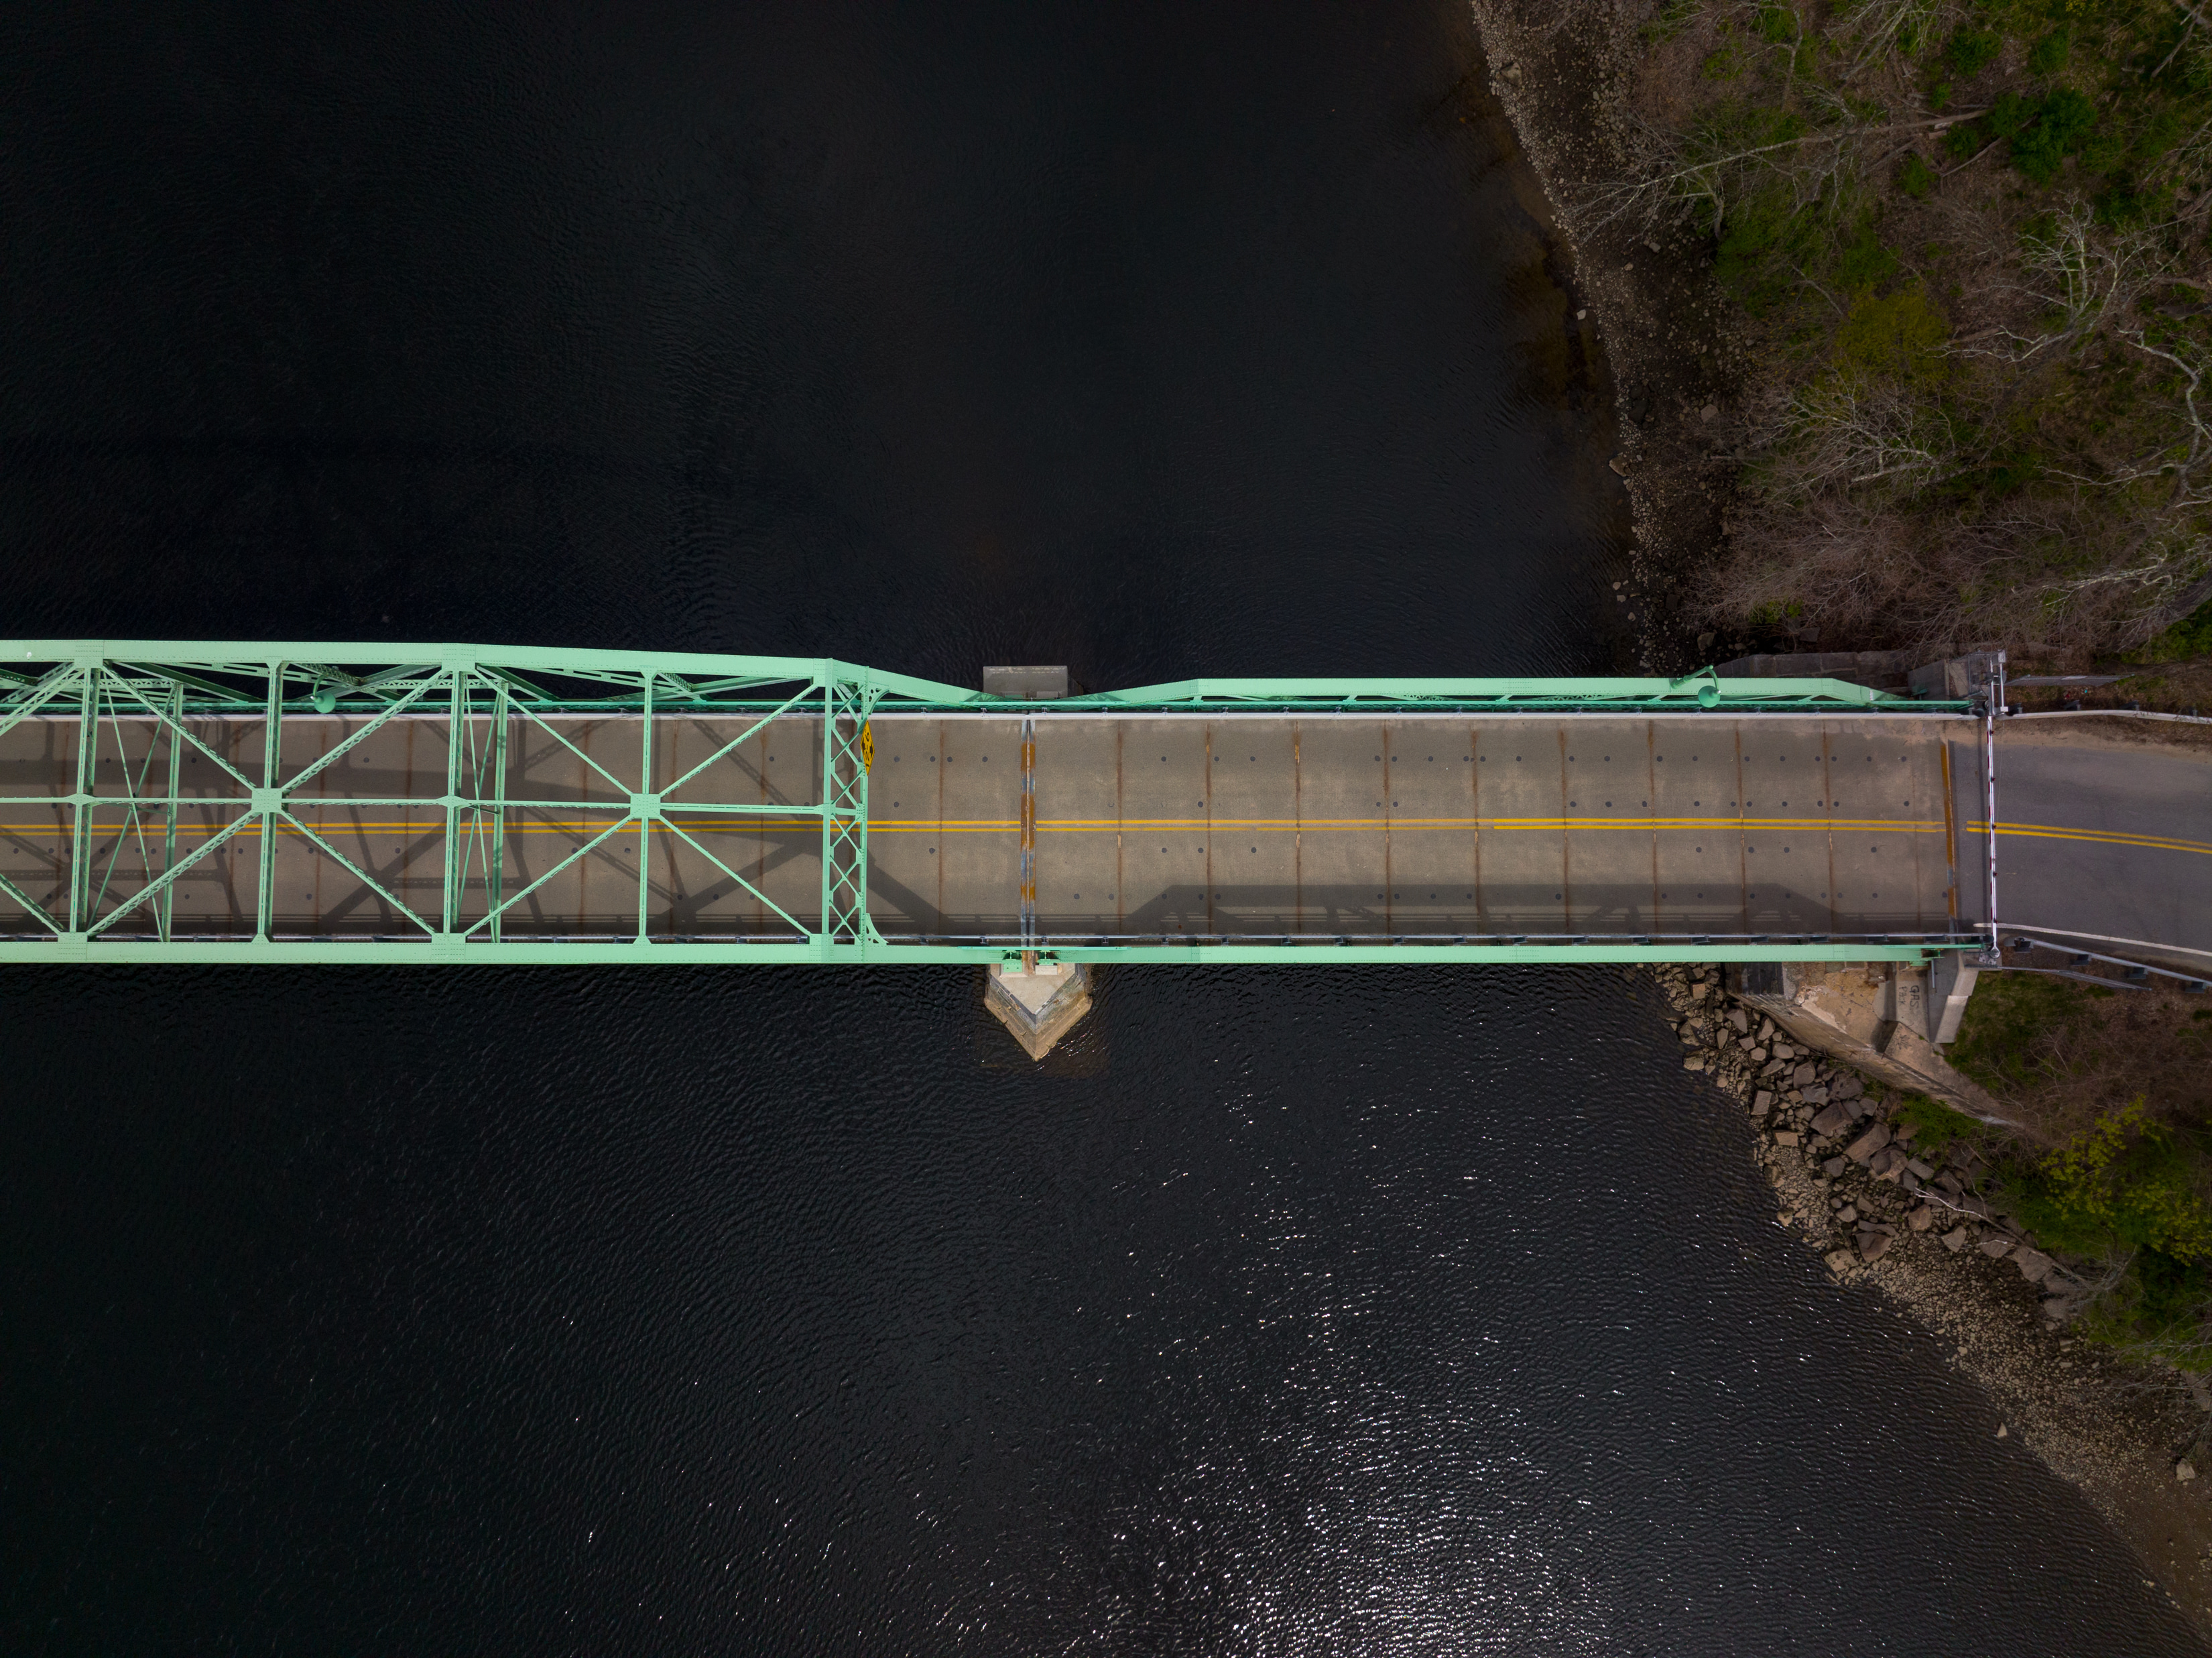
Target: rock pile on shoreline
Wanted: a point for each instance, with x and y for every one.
(1843, 1163)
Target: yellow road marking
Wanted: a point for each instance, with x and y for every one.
(2102, 837)
(717, 824)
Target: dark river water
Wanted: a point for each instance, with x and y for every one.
(569, 1311)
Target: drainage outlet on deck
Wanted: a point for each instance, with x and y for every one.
(1040, 1006)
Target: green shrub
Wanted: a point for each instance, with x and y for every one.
(1671, 21)
(2103, 152)
(1778, 24)
(2063, 124)
(1865, 263)
(1971, 50)
(1899, 338)
(1915, 178)
(2160, 134)
(2168, 1298)
(2190, 637)
(2048, 55)
(1934, 1124)
(1965, 139)
(2157, 1313)
(2009, 472)
(2009, 117)
(1766, 238)
(2123, 204)
(2124, 1183)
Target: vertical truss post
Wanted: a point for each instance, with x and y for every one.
(272, 744)
(88, 739)
(1992, 706)
(162, 921)
(825, 929)
(1028, 844)
(644, 820)
(495, 876)
(845, 706)
(457, 728)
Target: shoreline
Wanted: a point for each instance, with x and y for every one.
(1656, 313)
(2121, 1433)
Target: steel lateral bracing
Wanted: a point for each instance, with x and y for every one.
(357, 802)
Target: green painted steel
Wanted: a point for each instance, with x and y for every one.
(481, 690)
(557, 952)
(605, 680)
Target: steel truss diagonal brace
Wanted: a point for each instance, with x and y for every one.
(845, 753)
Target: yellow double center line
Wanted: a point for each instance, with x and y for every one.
(1403, 825)
(2099, 837)
(319, 815)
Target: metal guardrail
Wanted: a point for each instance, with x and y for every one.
(2135, 975)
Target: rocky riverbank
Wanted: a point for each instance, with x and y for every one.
(1922, 1226)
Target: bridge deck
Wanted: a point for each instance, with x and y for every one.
(1214, 824)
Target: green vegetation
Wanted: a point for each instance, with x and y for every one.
(2120, 1088)
(1971, 50)
(2190, 637)
(1898, 338)
(1935, 1126)
(2124, 1183)
(1976, 345)
(2000, 1039)
(2127, 1191)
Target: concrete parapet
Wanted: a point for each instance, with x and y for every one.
(1038, 1007)
(1030, 684)
(1951, 978)
(1955, 677)
(1882, 670)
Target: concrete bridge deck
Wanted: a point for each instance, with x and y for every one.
(1429, 827)
(1215, 825)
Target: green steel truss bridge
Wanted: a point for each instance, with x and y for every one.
(295, 802)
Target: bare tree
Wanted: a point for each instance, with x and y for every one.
(1870, 32)
(1846, 431)
(2079, 278)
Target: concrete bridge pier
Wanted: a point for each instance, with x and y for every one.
(1040, 1001)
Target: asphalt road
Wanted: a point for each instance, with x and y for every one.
(2100, 839)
